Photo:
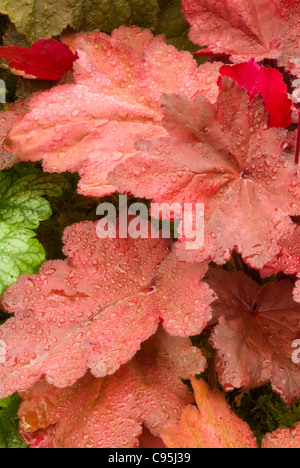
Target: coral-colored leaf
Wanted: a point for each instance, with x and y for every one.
(110, 412)
(247, 29)
(224, 157)
(96, 308)
(283, 438)
(92, 125)
(7, 119)
(213, 425)
(267, 82)
(46, 60)
(288, 259)
(256, 330)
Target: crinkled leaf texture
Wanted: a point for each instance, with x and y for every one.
(288, 258)
(247, 29)
(257, 327)
(225, 157)
(268, 82)
(22, 208)
(96, 308)
(110, 412)
(213, 425)
(46, 60)
(92, 125)
(283, 438)
(7, 119)
(43, 20)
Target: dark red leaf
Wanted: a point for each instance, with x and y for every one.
(46, 60)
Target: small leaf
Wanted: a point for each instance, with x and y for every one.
(46, 60)
(22, 208)
(9, 421)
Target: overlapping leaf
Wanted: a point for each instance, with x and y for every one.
(225, 157)
(22, 208)
(267, 82)
(256, 330)
(44, 20)
(93, 125)
(46, 60)
(247, 29)
(213, 425)
(110, 412)
(96, 308)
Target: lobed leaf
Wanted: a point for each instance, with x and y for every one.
(225, 157)
(257, 326)
(213, 425)
(247, 29)
(111, 412)
(93, 125)
(94, 309)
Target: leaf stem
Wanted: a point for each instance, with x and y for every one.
(212, 372)
(298, 141)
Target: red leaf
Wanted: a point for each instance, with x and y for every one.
(213, 425)
(267, 82)
(111, 412)
(46, 60)
(247, 29)
(224, 157)
(96, 308)
(92, 125)
(256, 330)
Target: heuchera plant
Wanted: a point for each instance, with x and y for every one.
(143, 341)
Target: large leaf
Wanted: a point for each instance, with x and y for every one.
(96, 308)
(247, 29)
(92, 125)
(46, 19)
(225, 157)
(109, 412)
